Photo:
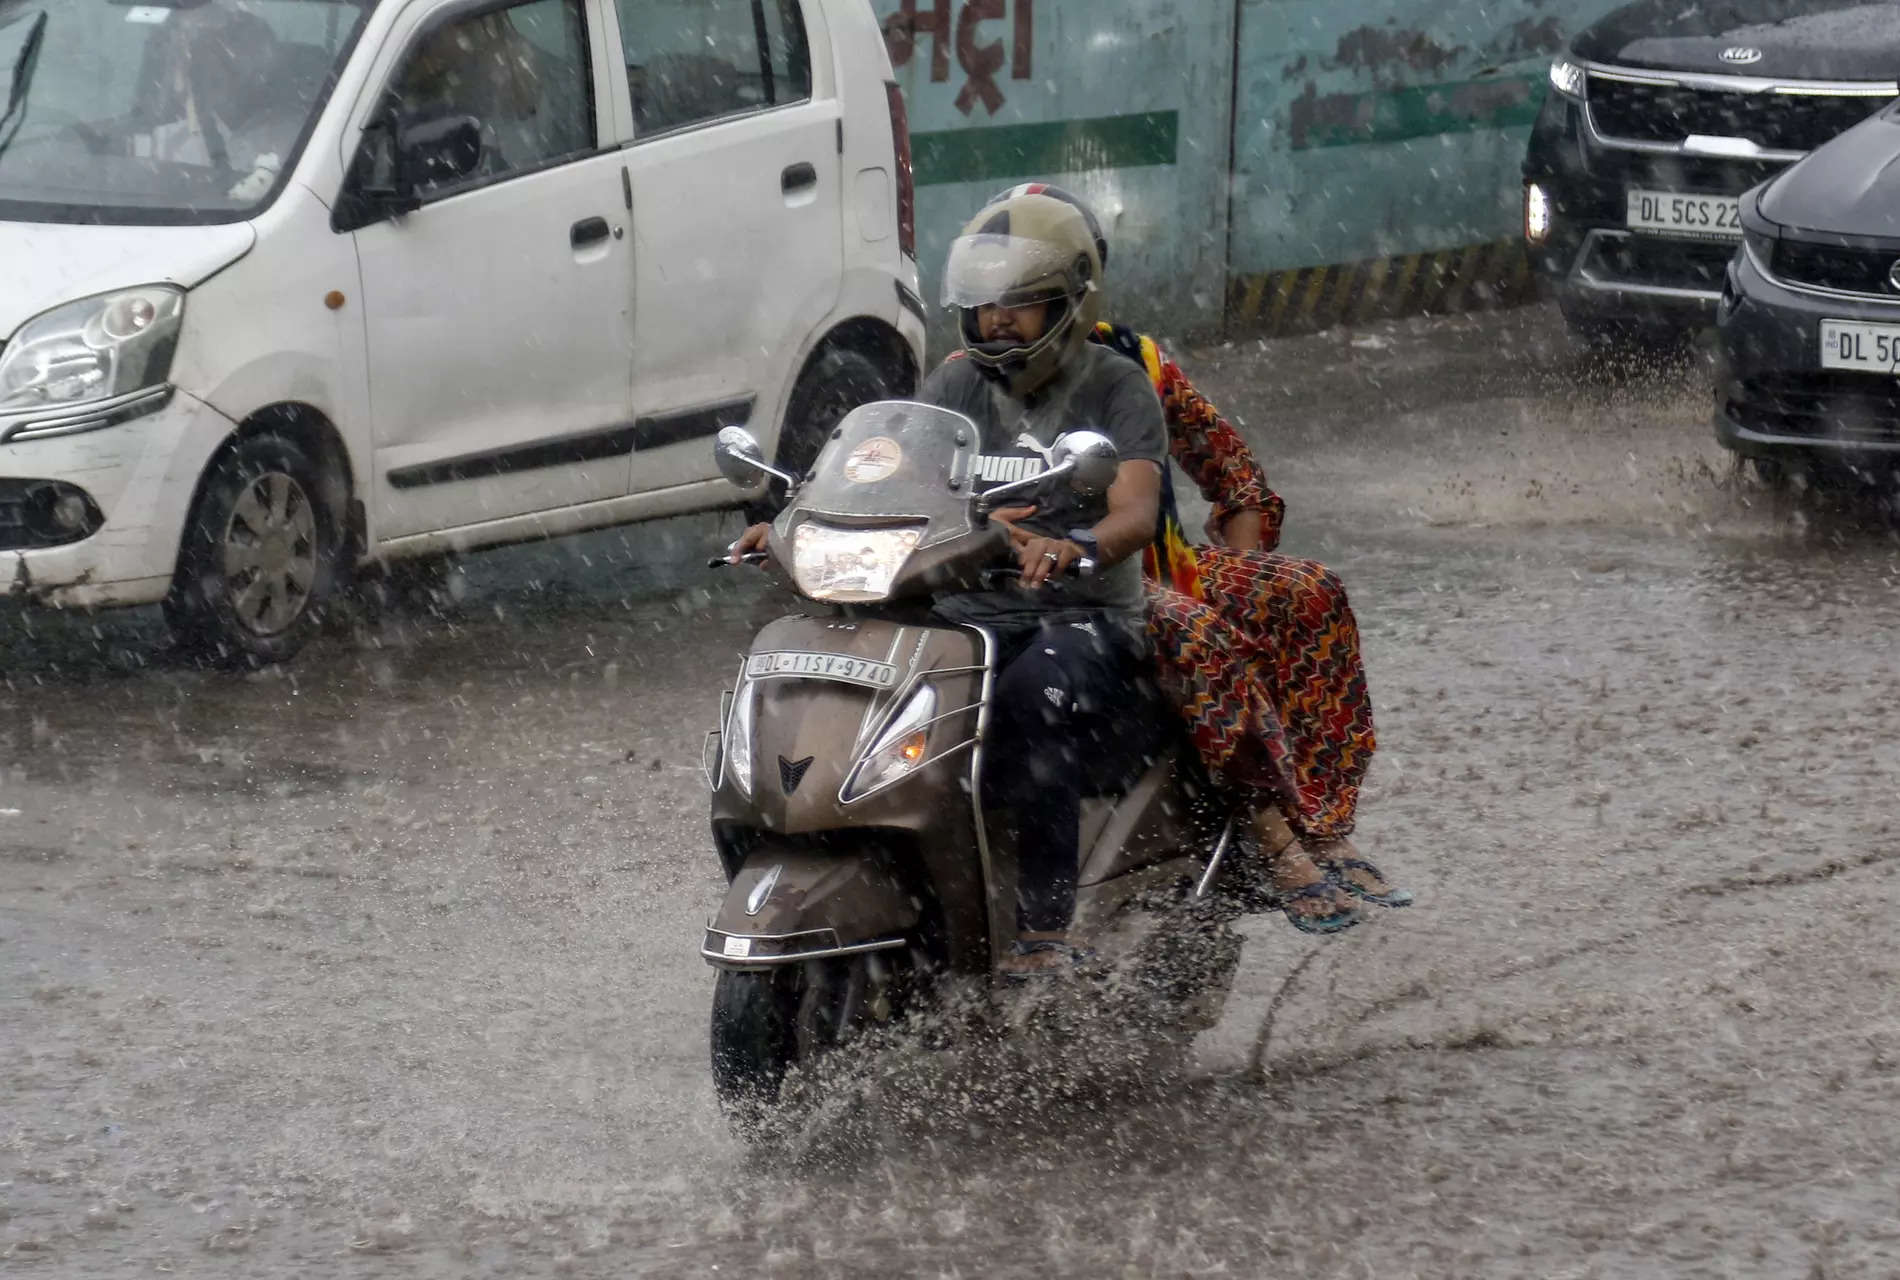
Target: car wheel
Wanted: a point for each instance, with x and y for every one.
(259, 557)
(836, 383)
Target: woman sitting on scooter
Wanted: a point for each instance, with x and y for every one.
(1025, 279)
(1260, 650)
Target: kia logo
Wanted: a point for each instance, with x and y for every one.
(1741, 56)
(1893, 276)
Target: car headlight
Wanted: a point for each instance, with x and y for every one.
(94, 349)
(850, 566)
(898, 751)
(1758, 233)
(738, 738)
(1761, 247)
(1566, 77)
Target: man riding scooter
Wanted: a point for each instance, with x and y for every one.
(1025, 278)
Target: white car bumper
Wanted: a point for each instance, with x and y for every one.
(141, 475)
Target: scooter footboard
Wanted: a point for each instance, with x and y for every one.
(786, 906)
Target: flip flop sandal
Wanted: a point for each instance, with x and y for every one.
(1334, 923)
(1022, 949)
(1336, 872)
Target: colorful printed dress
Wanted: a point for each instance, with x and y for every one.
(1260, 650)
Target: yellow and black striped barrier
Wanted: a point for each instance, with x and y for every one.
(1478, 277)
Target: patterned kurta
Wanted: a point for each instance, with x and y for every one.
(1260, 650)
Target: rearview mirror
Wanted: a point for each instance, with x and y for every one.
(1091, 458)
(740, 459)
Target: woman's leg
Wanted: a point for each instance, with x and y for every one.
(1294, 624)
(1230, 717)
(1294, 618)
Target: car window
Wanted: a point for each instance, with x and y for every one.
(521, 71)
(788, 57)
(161, 114)
(691, 61)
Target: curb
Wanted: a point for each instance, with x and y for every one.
(1479, 277)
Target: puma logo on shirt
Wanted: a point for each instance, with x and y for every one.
(1006, 468)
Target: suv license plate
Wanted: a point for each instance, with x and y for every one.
(1870, 348)
(1709, 217)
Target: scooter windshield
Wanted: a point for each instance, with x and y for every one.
(885, 511)
(896, 459)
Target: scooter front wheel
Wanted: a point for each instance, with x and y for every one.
(766, 1021)
(754, 1042)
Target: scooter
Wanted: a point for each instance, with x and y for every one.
(864, 875)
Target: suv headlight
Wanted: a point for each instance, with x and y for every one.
(898, 751)
(1566, 77)
(738, 738)
(98, 348)
(850, 566)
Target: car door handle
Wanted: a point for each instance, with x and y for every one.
(588, 231)
(797, 177)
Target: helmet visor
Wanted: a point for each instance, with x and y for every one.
(1005, 271)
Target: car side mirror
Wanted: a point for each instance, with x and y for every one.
(436, 152)
(1091, 458)
(398, 157)
(740, 460)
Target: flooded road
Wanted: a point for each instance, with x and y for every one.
(385, 963)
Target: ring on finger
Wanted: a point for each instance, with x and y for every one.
(1050, 555)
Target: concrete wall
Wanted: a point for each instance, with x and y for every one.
(1125, 102)
(1366, 151)
(1376, 154)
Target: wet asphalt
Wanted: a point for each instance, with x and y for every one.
(384, 962)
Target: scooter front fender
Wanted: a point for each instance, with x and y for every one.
(786, 906)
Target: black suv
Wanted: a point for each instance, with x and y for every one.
(1659, 117)
(1808, 362)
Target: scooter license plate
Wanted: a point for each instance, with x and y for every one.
(823, 666)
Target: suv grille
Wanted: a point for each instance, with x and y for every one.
(1827, 405)
(1675, 264)
(1670, 113)
(1830, 266)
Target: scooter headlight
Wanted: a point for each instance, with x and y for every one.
(738, 737)
(850, 566)
(899, 751)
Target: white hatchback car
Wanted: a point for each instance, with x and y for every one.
(289, 285)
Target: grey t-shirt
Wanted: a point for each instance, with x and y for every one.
(1100, 390)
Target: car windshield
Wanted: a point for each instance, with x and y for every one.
(178, 112)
